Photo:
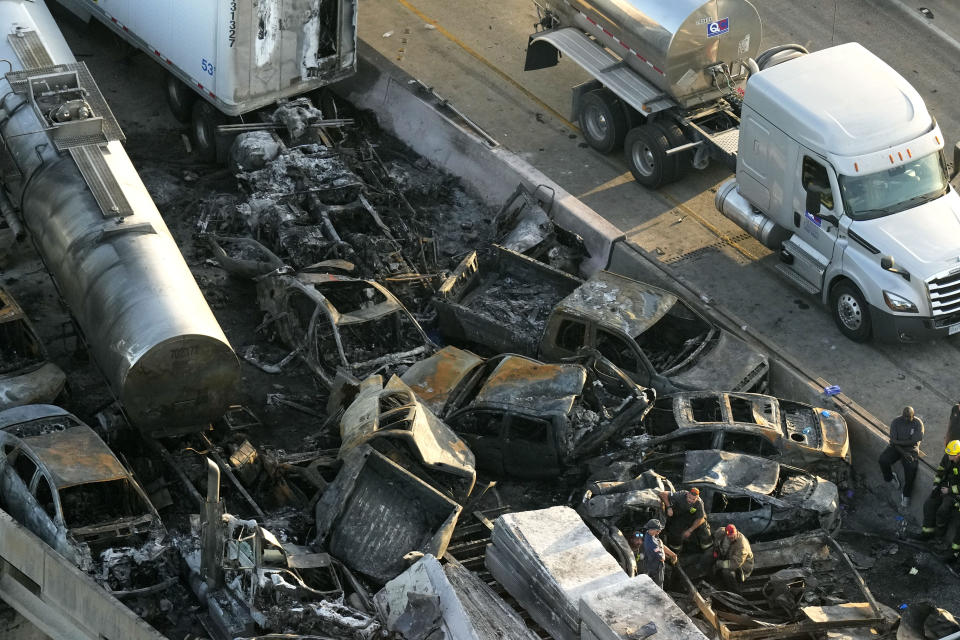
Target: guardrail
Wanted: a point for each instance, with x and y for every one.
(56, 597)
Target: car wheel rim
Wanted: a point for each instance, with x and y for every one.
(851, 315)
(643, 159)
(597, 125)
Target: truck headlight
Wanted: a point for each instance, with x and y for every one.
(899, 303)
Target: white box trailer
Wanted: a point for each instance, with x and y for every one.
(238, 55)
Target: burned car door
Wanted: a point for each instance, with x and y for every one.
(484, 433)
(530, 448)
(571, 335)
(21, 478)
(626, 355)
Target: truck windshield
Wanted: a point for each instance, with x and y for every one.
(893, 190)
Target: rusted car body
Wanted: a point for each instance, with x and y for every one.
(393, 421)
(794, 433)
(61, 481)
(26, 375)
(653, 336)
(525, 418)
(340, 324)
(763, 498)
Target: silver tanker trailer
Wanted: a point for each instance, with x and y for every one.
(102, 239)
(668, 76)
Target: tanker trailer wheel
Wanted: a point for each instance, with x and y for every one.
(602, 120)
(203, 130)
(850, 311)
(676, 138)
(645, 150)
(180, 98)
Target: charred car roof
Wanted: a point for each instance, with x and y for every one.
(71, 451)
(616, 301)
(731, 470)
(434, 379)
(530, 386)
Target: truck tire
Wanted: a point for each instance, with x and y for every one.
(676, 138)
(203, 130)
(850, 311)
(180, 98)
(602, 120)
(645, 150)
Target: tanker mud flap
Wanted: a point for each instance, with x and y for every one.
(540, 54)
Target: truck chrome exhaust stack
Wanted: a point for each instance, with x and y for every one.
(733, 205)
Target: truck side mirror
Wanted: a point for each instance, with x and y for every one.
(887, 264)
(813, 201)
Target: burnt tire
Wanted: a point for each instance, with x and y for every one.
(850, 311)
(203, 130)
(645, 150)
(602, 120)
(180, 98)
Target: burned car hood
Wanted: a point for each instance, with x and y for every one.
(729, 364)
(393, 411)
(731, 470)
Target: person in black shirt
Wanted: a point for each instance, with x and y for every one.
(686, 517)
(906, 432)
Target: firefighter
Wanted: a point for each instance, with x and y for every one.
(686, 517)
(733, 557)
(940, 507)
(651, 552)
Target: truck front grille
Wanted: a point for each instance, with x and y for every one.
(944, 292)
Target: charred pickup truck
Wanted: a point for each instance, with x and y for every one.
(509, 303)
(524, 418)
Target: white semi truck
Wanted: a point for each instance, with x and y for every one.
(231, 57)
(839, 165)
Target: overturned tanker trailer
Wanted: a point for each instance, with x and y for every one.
(100, 235)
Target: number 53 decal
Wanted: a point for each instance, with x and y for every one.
(206, 66)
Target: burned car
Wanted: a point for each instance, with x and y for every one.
(525, 418)
(614, 510)
(763, 498)
(62, 482)
(790, 432)
(341, 324)
(26, 375)
(393, 421)
(509, 303)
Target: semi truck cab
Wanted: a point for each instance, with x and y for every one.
(840, 167)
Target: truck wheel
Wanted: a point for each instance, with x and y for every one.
(180, 98)
(850, 311)
(676, 138)
(645, 151)
(602, 120)
(203, 130)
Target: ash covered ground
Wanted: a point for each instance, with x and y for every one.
(291, 405)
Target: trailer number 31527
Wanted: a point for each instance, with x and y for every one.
(206, 66)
